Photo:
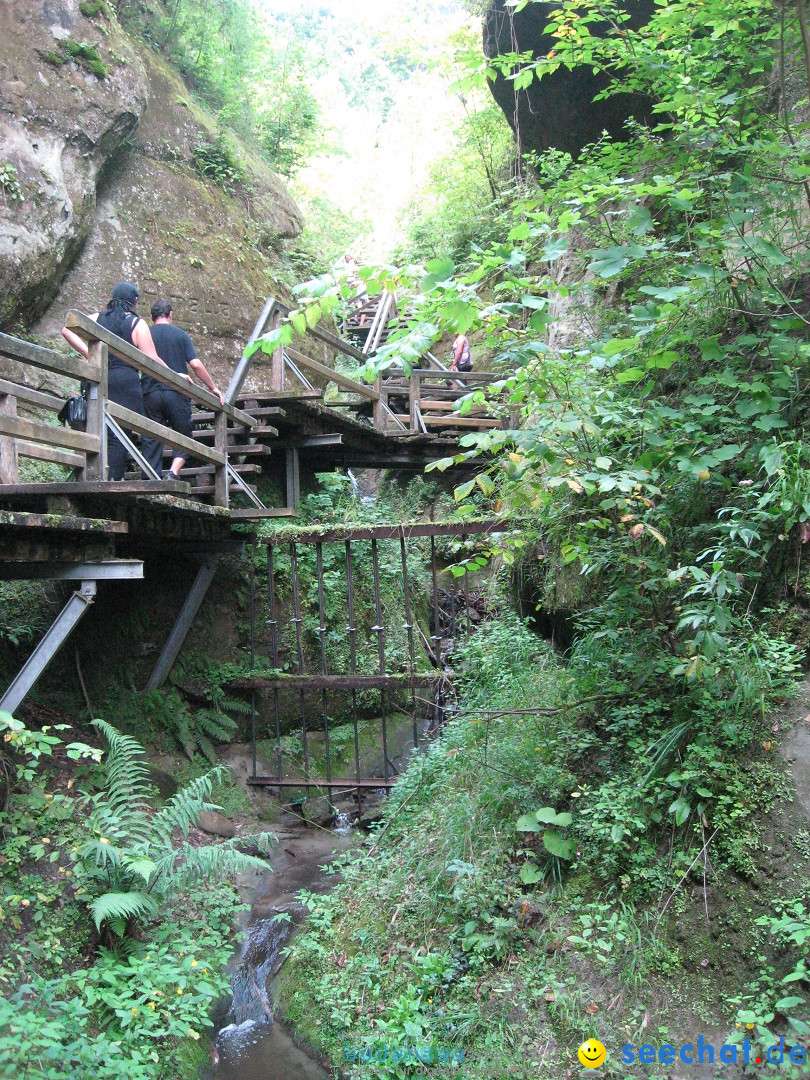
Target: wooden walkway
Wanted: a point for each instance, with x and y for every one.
(87, 529)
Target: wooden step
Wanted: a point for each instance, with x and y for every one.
(208, 470)
(255, 514)
(208, 489)
(268, 410)
(462, 421)
(265, 429)
(282, 395)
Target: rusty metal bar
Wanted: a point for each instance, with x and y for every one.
(252, 668)
(378, 629)
(322, 638)
(409, 631)
(296, 620)
(436, 635)
(271, 624)
(352, 629)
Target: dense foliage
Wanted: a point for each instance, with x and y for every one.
(648, 310)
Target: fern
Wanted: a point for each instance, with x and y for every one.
(123, 906)
(131, 864)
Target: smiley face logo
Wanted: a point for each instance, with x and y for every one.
(592, 1054)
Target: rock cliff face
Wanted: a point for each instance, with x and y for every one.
(559, 111)
(103, 148)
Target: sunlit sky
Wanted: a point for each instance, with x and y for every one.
(375, 168)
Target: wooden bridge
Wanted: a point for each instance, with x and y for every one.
(84, 528)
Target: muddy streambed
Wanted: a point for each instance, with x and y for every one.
(249, 1043)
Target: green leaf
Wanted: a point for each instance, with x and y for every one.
(530, 873)
(609, 262)
(313, 314)
(667, 295)
(557, 845)
(786, 1003)
(633, 374)
(437, 270)
(662, 361)
(527, 823)
(442, 464)
(463, 490)
(299, 322)
(681, 809)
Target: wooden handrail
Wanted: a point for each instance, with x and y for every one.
(89, 330)
(48, 359)
(343, 381)
(52, 434)
(135, 422)
(31, 397)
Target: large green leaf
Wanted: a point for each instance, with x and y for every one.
(118, 905)
(558, 845)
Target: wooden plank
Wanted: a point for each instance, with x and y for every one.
(47, 453)
(52, 434)
(270, 410)
(462, 376)
(208, 470)
(281, 395)
(9, 464)
(62, 522)
(268, 512)
(294, 782)
(339, 682)
(210, 489)
(47, 359)
(264, 429)
(31, 397)
(144, 426)
(96, 487)
(221, 448)
(444, 406)
(95, 466)
(460, 421)
(343, 381)
(84, 326)
(337, 343)
(389, 532)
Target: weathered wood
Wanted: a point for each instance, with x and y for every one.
(269, 410)
(480, 423)
(300, 782)
(48, 453)
(268, 512)
(282, 395)
(89, 330)
(265, 429)
(246, 362)
(52, 434)
(208, 470)
(9, 470)
(343, 381)
(62, 522)
(388, 532)
(71, 488)
(95, 467)
(337, 343)
(47, 359)
(339, 682)
(293, 477)
(31, 397)
(143, 426)
(445, 406)
(221, 448)
(461, 376)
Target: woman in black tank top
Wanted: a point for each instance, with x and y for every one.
(124, 382)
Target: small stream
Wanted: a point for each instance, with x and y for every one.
(249, 1043)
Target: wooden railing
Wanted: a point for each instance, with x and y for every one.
(87, 450)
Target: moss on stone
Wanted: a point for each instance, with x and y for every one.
(86, 56)
(91, 8)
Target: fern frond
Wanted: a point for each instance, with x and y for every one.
(128, 788)
(187, 865)
(183, 809)
(236, 705)
(122, 905)
(209, 753)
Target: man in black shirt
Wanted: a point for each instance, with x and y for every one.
(162, 404)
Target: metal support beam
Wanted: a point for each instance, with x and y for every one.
(106, 570)
(174, 642)
(49, 646)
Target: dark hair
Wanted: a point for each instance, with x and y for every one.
(124, 298)
(161, 309)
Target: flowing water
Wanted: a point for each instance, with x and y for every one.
(250, 1044)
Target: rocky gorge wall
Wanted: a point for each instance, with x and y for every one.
(101, 134)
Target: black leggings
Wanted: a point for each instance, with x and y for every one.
(168, 407)
(124, 388)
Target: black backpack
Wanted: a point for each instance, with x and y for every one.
(74, 413)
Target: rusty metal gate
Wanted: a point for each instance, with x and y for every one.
(303, 768)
